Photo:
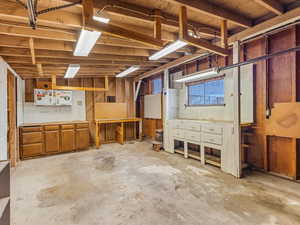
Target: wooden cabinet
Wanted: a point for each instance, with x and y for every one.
(52, 141)
(47, 139)
(67, 140)
(82, 138)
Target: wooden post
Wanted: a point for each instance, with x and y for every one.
(157, 24)
(31, 45)
(97, 135)
(224, 34)
(183, 23)
(237, 111)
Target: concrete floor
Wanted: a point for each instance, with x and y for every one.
(133, 185)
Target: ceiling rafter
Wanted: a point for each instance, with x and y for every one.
(272, 5)
(199, 43)
(215, 11)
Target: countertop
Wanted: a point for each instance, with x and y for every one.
(52, 123)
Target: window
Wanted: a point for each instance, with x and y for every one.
(206, 93)
(156, 86)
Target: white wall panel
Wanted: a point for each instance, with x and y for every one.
(152, 106)
(42, 114)
(3, 110)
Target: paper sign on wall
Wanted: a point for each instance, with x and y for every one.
(52, 97)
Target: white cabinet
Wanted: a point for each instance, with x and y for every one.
(212, 135)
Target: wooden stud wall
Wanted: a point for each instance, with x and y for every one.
(276, 80)
(122, 89)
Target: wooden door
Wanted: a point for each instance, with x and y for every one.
(52, 141)
(68, 140)
(12, 119)
(82, 138)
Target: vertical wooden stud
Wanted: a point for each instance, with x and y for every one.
(183, 30)
(224, 34)
(157, 24)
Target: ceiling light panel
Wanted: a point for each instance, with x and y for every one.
(86, 42)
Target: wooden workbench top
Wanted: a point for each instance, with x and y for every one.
(117, 120)
(52, 123)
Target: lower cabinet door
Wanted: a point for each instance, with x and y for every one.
(82, 138)
(52, 141)
(31, 150)
(67, 140)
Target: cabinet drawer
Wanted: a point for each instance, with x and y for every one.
(32, 150)
(51, 127)
(177, 124)
(189, 125)
(212, 138)
(193, 136)
(31, 129)
(33, 137)
(178, 133)
(67, 126)
(82, 125)
(212, 129)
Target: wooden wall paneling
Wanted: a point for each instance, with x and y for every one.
(99, 95)
(29, 90)
(89, 107)
(281, 161)
(120, 90)
(256, 156)
(110, 129)
(282, 88)
(12, 122)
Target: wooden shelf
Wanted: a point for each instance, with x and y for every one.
(194, 154)
(180, 151)
(210, 159)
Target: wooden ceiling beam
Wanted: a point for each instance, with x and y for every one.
(278, 21)
(23, 52)
(157, 24)
(215, 11)
(124, 33)
(199, 43)
(40, 69)
(12, 59)
(272, 5)
(31, 46)
(18, 42)
(117, 7)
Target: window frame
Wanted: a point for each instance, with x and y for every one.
(152, 84)
(201, 82)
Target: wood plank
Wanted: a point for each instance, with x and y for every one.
(110, 110)
(272, 5)
(124, 33)
(224, 34)
(31, 45)
(157, 24)
(278, 21)
(215, 11)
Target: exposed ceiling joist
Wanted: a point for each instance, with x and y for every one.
(199, 43)
(147, 15)
(278, 21)
(40, 69)
(272, 5)
(6, 51)
(31, 46)
(215, 11)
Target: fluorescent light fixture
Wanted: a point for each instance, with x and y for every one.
(101, 19)
(128, 71)
(86, 42)
(168, 49)
(200, 75)
(72, 70)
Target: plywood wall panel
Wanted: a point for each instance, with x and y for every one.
(256, 156)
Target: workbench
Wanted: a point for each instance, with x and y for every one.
(119, 130)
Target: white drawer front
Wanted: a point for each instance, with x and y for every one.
(212, 129)
(177, 124)
(212, 138)
(193, 136)
(189, 125)
(178, 133)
